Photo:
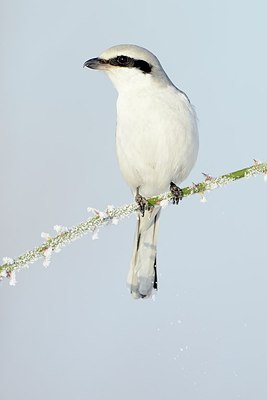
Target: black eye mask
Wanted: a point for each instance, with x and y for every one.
(125, 61)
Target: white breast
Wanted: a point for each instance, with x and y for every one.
(156, 138)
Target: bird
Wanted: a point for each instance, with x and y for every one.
(156, 143)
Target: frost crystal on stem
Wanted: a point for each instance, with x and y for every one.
(3, 274)
(60, 229)
(202, 198)
(102, 214)
(12, 278)
(8, 260)
(110, 209)
(47, 257)
(164, 203)
(95, 234)
(45, 235)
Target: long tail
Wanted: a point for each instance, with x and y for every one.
(142, 277)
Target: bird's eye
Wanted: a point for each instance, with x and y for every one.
(123, 60)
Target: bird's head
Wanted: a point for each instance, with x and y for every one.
(129, 66)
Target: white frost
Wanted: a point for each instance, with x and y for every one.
(164, 203)
(203, 198)
(60, 229)
(47, 256)
(8, 260)
(45, 235)
(95, 234)
(2, 275)
(12, 278)
(110, 209)
(102, 214)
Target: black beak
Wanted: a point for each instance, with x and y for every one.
(93, 63)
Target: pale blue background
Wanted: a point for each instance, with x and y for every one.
(72, 331)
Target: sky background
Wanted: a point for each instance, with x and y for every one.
(72, 331)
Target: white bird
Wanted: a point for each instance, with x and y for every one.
(157, 144)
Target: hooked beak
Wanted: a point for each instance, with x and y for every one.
(94, 63)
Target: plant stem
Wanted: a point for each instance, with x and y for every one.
(111, 215)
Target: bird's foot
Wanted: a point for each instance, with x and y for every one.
(176, 192)
(141, 202)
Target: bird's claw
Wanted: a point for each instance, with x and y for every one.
(142, 203)
(176, 192)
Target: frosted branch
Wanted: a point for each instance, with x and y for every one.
(111, 216)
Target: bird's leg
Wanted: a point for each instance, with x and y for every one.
(141, 201)
(176, 192)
